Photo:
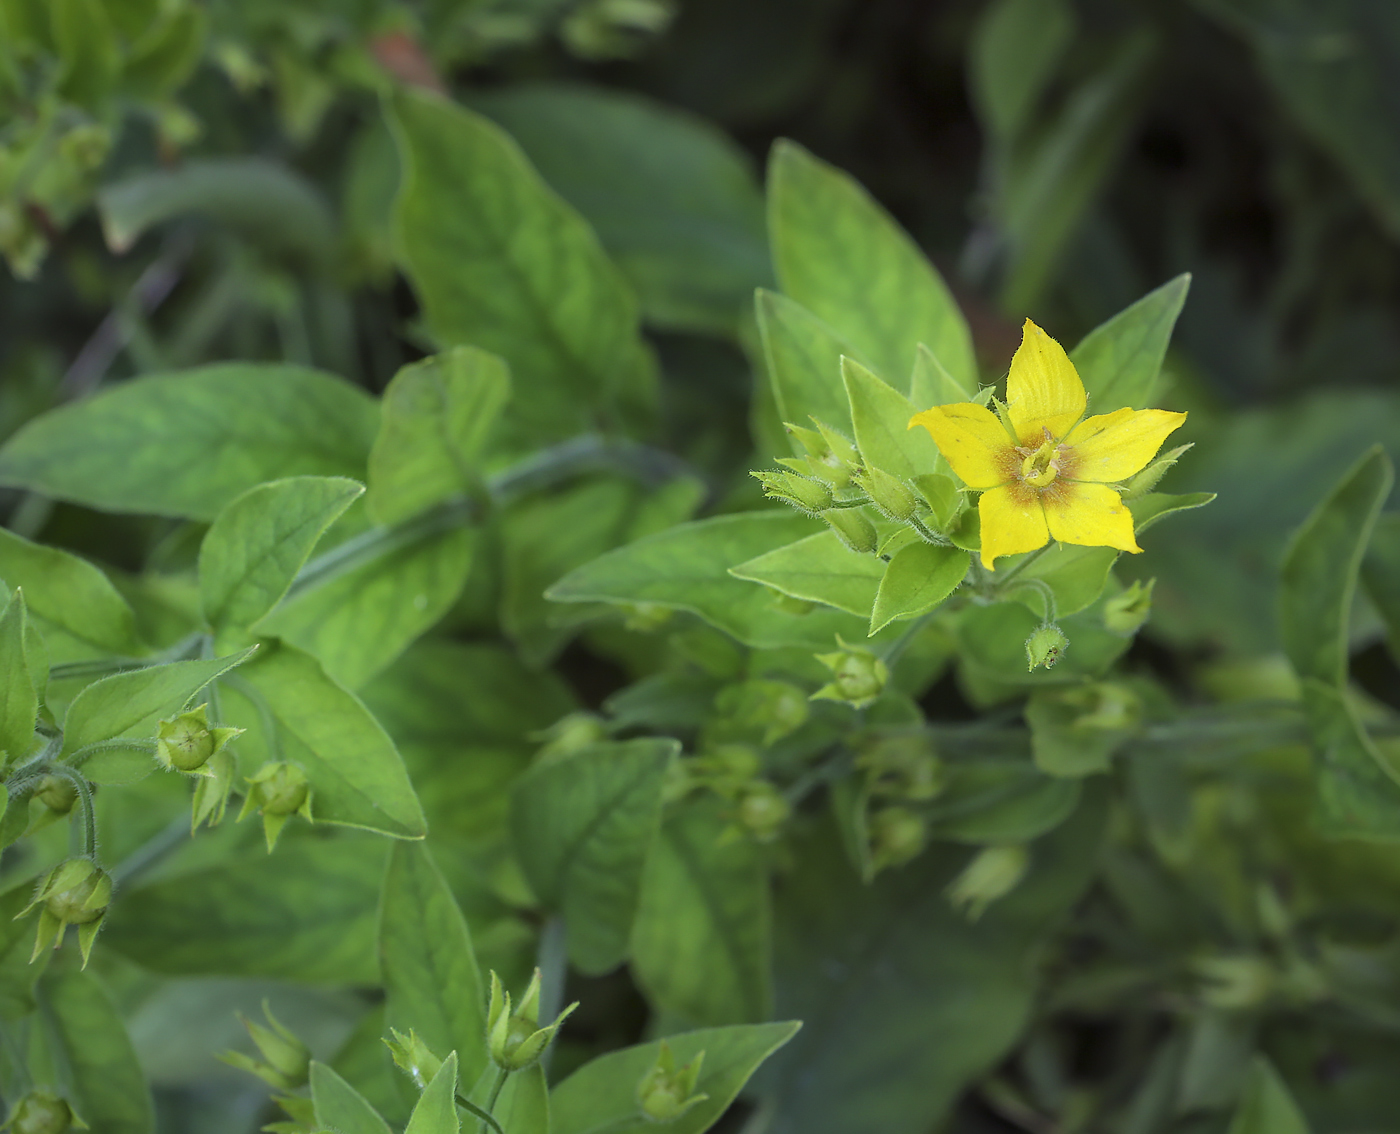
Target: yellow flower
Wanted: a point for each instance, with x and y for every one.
(1045, 473)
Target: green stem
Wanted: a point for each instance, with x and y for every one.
(896, 651)
(1011, 572)
(85, 832)
(487, 1118)
(87, 751)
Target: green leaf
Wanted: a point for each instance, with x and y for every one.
(1076, 575)
(803, 357)
(701, 944)
(840, 255)
(1321, 567)
(523, 1107)
(358, 616)
(19, 700)
(819, 568)
(582, 827)
(1120, 360)
(185, 444)
(993, 644)
(260, 540)
(163, 58)
(1380, 575)
(70, 595)
(264, 201)
(905, 1001)
(438, 417)
(306, 912)
(1357, 793)
(94, 1054)
(602, 1094)
(1015, 50)
(88, 49)
(357, 777)
(500, 262)
(130, 705)
(1267, 1107)
(340, 1107)
(436, 1112)
(918, 578)
(672, 198)
(1147, 510)
(932, 385)
(881, 416)
(429, 967)
(687, 568)
(1001, 802)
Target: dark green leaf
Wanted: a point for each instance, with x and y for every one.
(259, 542)
(1321, 567)
(357, 776)
(1357, 793)
(438, 416)
(602, 1095)
(340, 1107)
(1267, 1107)
(701, 945)
(803, 356)
(1001, 802)
(840, 255)
(88, 50)
(163, 58)
(583, 826)
(821, 569)
(306, 912)
(1015, 50)
(500, 262)
(19, 700)
(427, 961)
(881, 416)
(1121, 360)
(187, 443)
(918, 578)
(94, 1054)
(1380, 575)
(672, 198)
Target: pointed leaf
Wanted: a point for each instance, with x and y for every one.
(1015, 50)
(69, 594)
(881, 416)
(602, 1094)
(428, 964)
(1120, 361)
(1267, 1107)
(436, 1112)
(819, 568)
(1380, 575)
(932, 385)
(583, 827)
(185, 444)
(843, 257)
(803, 357)
(438, 416)
(19, 700)
(259, 542)
(340, 1107)
(917, 579)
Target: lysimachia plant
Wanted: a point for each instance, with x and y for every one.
(882, 764)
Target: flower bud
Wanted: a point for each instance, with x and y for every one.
(760, 709)
(1235, 982)
(903, 767)
(86, 146)
(514, 1039)
(666, 1092)
(413, 1056)
(569, 734)
(57, 793)
(278, 791)
(285, 1061)
(75, 892)
(1045, 646)
(858, 676)
(799, 491)
(853, 527)
(186, 743)
(40, 1112)
(888, 493)
(993, 873)
(763, 810)
(831, 457)
(896, 836)
(1125, 613)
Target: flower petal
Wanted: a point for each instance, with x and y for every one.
(972, 441)
(1043, 390)
(1092, 515)
(1012, 522)
(1116, 445)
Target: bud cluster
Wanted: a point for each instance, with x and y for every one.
(514, 1038)
(858, 677)
(666, 1091)
(286, 1060)
(277, 791)
(75, 892)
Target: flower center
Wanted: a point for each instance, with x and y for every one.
(1041, 467)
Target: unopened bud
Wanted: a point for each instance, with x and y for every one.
(791, 488)
(896, 836)
(277, 791)
(763, 810)
(646, 617)
(1126, 612)
(993, 873)
(888, 493)
(759, 709)
(57, 793)
(413, 1056)
(1045, 646)
(904, 767)
(285, 1059)
(858, 676)
(666, 1091)
(186, 743)
(853, 527)
(40, 1112)
(1235, 982)
(75, 892)
(831, 456)
(514, 1039)
(569, 734)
